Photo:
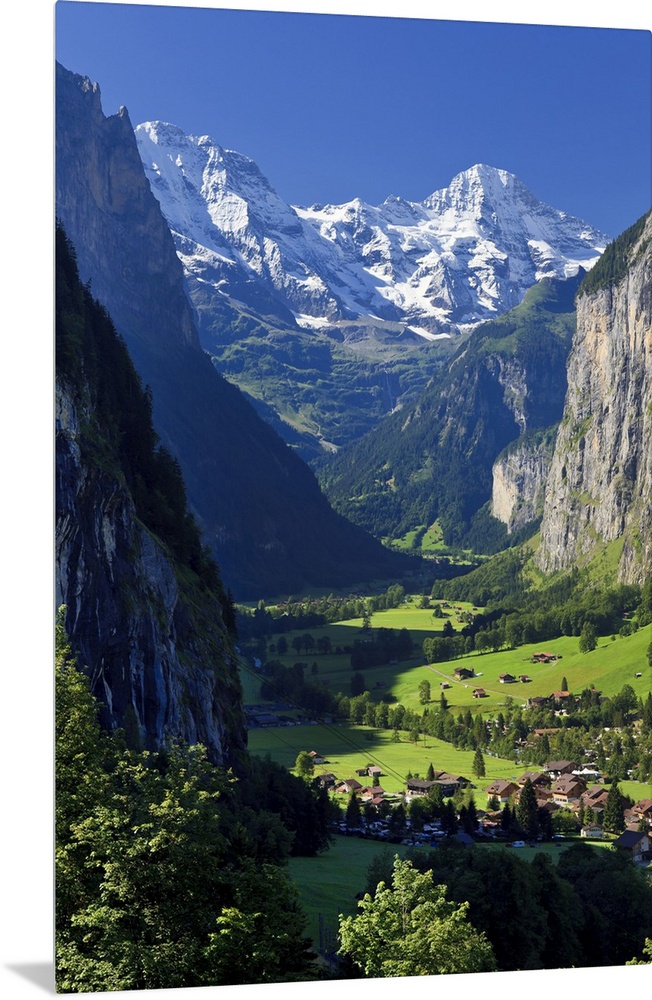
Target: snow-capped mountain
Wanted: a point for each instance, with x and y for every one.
(467, 253)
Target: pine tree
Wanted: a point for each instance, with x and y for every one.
(526, 811)
(353, 814)
(614, 810)
(478, 766)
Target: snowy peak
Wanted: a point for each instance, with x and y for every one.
(466, 254)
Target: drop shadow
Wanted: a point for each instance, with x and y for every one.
(41, 974)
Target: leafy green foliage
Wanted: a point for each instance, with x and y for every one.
(155, 887)
(411, 929)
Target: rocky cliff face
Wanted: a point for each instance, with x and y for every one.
(519, 481)
(162, 666)
(434, 458)
(601, 477)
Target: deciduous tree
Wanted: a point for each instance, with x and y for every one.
(411, 929)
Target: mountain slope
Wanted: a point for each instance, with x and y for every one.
(330, 317)
(600, 482)
(433, 460)
(146, 611)
(261, 509)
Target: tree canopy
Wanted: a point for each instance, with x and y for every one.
(411, 929)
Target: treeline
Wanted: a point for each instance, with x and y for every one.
(621, 727)
(312, 612)
(592, 908)
(517, 614)
(384, 646)
(615, 261)
(168, 868)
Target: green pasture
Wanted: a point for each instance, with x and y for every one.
(612, 664)
(635, 790)
(328, 883)
(347, 748)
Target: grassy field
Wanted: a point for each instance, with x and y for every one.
(347, 748)
(328, 883)
(614, 663)
(611, 665)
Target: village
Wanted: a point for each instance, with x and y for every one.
(559, 785)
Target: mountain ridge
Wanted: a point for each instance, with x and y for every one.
(464, 254)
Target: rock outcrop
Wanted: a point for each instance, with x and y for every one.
(519, 480)
(600, 482)
(161, 664)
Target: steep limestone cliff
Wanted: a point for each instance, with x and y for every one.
(161, 667)
(600, 482)
(519, 480)
(147, 627)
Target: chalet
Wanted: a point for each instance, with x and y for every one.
(266, 719)
(374, 771)
(418, 786)
(593, 831)
(463, 673)
(316, 758)
(444, 685)
(507, 679)
(501, 790)
(546, 731)
(537, 702)
(372, 792)
(643, 810)
(348, 786)
(560, 697)
(449, 783)
(479, 693)
(537, 778)
(525, 679)
(543, 658)
(567, 789)
(361, 772)
(558, 767)
(638, 843)
(595, 799)
(326, 781)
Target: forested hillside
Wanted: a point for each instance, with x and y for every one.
(432, 460)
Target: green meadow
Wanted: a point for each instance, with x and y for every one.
(612, 664)
(347, 748)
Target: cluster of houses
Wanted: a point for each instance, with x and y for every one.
(374, 793)
(561, 785)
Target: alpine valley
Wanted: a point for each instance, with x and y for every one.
(344, 490)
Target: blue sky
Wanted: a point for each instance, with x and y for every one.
(334, 107)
